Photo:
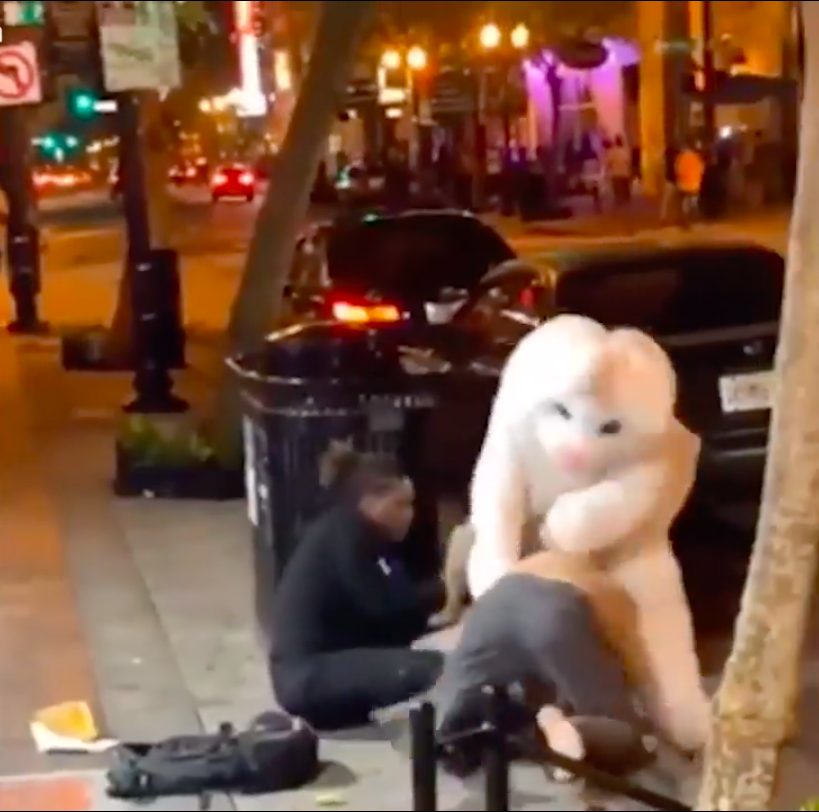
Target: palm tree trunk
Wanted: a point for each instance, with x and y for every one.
(259, 297)
(756, 704)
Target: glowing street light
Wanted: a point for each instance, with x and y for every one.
(490, 36)
(416, 58)
(520, 37)
(391, 59)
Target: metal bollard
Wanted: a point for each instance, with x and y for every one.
(424, 758)
(496, 752)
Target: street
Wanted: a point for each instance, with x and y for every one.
(84, 247)
(88, 228)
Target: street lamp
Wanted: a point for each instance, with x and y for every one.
(391, 59)
(520, 37)
(416, 58)
(490, 36)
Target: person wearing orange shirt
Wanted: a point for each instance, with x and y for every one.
(689, 168)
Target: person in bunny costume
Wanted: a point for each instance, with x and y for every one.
(583, 454)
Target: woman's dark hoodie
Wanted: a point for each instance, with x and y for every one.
(345, 587)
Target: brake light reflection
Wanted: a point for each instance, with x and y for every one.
(361, 314)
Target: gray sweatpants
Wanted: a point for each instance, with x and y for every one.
(534, 632)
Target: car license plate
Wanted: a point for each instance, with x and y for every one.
(751, 392)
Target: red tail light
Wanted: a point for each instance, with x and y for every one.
(219, 179)
(365, 314)
(246, 178)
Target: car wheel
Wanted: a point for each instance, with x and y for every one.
(250, 197)
(214, 198)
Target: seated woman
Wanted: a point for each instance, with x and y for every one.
(346, 611)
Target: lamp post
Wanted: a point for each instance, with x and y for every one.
(492, 41)
(414, 60)
(491, 37)
(519, 37)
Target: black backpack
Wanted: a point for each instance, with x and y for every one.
(276, 753)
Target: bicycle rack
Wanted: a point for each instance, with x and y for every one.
(427, 750)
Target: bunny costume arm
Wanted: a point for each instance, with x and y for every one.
(498, 513)
(672, 688)
(597, 517)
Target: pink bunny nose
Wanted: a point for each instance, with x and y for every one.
(574, 458)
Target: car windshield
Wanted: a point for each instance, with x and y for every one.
(680, 293)
(418, 255)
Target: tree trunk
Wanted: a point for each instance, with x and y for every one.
(156, 163)
(756, 704)
(259, 297)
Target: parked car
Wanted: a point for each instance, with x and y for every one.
(414, 267)
(462, 300)
(714, 308)
(234, 181)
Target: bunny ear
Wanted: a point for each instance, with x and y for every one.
(644, 377)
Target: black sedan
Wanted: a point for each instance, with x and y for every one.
(461, 301)
(714, 308)
(414, 268)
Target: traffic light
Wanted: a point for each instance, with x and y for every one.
(82, 103)
(23, 12)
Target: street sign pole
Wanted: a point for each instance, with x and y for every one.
(139, 52)
(153, 384)
(22, 234)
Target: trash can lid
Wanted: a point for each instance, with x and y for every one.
(326, 351)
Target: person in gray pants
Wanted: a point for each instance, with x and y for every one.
(541, 636)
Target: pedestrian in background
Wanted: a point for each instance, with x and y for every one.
(618, 168)
(689, 168)
(670, 199)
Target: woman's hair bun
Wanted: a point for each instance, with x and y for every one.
(337, 463)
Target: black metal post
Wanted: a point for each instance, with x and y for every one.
(709, 75)
(496, 753)
(153, 384)
(22, 235)
(424, 758)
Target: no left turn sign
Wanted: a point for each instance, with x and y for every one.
(19, 75)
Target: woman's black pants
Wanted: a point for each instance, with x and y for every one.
(341, 689)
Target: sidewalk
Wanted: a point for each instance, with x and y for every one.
(143, 608)
(767, 228)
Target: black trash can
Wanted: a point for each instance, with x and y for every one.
(311, 385)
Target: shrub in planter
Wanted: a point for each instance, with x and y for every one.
(166, 459)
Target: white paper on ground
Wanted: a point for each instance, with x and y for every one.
(46, 741)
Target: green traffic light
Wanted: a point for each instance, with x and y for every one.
(84, 103)
(24, 13)
(49, 143)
